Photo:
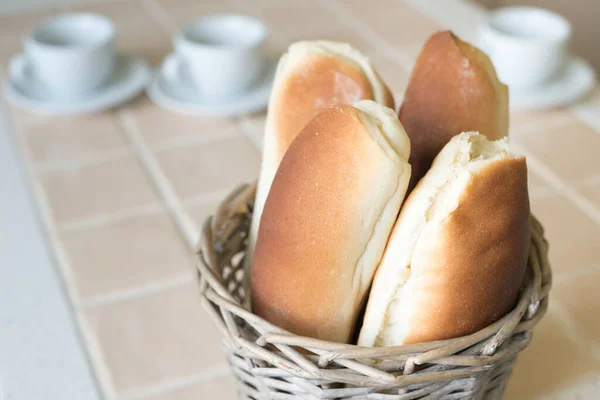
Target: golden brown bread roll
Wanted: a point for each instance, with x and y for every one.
(310, 77)
(457, 255)
(453, 88)
(331, 207)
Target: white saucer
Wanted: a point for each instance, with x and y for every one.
(168, 90)
(577, 80)
(130, 77)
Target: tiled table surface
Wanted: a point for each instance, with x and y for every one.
(122, 194)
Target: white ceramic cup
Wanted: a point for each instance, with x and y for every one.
(71, 54)
(220, 54)
(527, 45)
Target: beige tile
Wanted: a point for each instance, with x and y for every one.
(539, 121)
(580, 298)
(553, 360)
(24, 117)
(570, 151)
(9, 48)
(157, 338)
(129, 253)
(278, 43)
(590, 103)
(157, 124)
(199, 212)
(411, 53)
(274, 47)
(397, 23)
(254, 126)
(185, 11)
(73, 138)
(394, 75)
(572, 235)
(210, 167)
(97, 189)
(592, 193)
(144, 39)
(223, 388)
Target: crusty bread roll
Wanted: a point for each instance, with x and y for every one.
(327, 218)
(310, 77)
(457, 255)
(453, 88)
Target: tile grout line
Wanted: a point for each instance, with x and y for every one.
(108, 218)
(587, 182)
(367, 33)
(572, 331)
(586, 116)
(137, 292)
(91, 159)
(575, 273)
(561, 187)
(542, 193)
(204, 198)
(148, 209)
(61, 262)
(161, 183)
(159, 15)
(532, 127)
(244, 128)
(574, 391)
(176, 142)
(99, 157)
(177, 383)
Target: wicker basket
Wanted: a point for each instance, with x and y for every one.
(271, 363)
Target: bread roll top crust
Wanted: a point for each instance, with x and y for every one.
(331, 207)
(315, 82)
(311, 76)
(457, 255)
(453, 88)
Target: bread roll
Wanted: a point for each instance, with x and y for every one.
(453, 88)
(310, 77)
(456, 258)
(331, 207)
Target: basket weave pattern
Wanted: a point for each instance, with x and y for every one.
(271, 363)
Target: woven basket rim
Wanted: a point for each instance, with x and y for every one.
(499, 341)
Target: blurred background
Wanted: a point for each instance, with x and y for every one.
(583, 14)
